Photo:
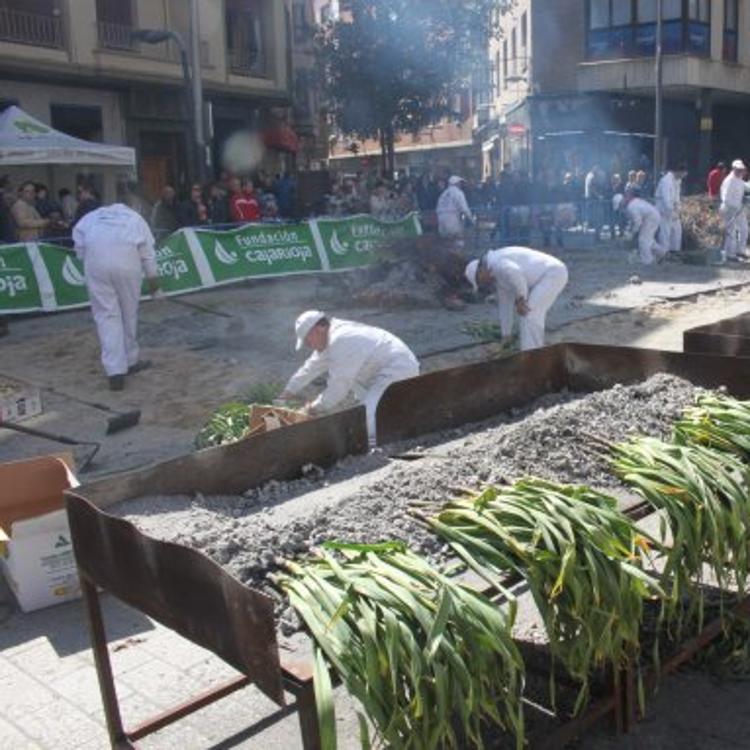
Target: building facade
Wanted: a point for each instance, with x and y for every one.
(75, 65)
(576, 81)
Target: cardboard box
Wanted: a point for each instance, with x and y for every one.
(36, 552)
(266, 418)
(18, 401)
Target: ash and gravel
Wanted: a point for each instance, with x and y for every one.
(367, 498)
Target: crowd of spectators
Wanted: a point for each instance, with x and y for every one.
(29, 212)
(515, 203)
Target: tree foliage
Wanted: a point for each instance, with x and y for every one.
(393, 66)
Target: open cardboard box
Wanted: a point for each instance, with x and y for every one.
(36, 554)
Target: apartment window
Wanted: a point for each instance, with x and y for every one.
(505, 63)
(731, 25)
(77, 120)
(627, 28)
(498, 73)
(114, 21)
(524, 42)
(35, 22)
(513, 53)
(246, 38)
(300, 24)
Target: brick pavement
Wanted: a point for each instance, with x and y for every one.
(50, 694)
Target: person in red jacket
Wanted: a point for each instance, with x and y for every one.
(715, 178)
(243, 205)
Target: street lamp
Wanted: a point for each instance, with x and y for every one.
(193, 92)
(658, 93)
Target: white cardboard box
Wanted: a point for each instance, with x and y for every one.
(36, 553)
(18, 401)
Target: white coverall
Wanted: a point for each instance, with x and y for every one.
(451, 208)
(668, 196)
(358, 358)
(733, 212)
(538, 278)
(646, 220)
(117, 248)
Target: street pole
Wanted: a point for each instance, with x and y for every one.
(658, 114)
(197, 81)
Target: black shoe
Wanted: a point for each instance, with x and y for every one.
(144, 364)
(116, 382)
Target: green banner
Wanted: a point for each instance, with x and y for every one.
(19, 289)
(271, 250)
(178, 271)
(66, 274)
(354, 241)
(37, 276)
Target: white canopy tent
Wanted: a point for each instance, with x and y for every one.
(26, 141)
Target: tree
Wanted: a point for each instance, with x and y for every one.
(391, 66)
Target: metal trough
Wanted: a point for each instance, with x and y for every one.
(729, 337)
(184, 590)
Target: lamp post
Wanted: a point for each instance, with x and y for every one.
(193, 94)
(658, 115)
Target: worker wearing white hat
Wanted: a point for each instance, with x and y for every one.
(732, 211)
(668, 198)
(645, 221)
(356, 358)
(117, 250)
(452, 209)
(526, 282)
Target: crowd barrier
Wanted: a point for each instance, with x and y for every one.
(45, 277)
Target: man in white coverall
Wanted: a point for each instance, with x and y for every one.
(356, 357)
(527, 282)
(117, 249)
(645, 220)
(732, 211)
(452, 209)
(668, 196)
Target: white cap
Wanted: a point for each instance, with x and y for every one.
(305, 323)
(738, 164)
(471, 274)
(455, 180)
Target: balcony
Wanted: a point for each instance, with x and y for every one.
(117, 37)
(31, 28)
(114, 35)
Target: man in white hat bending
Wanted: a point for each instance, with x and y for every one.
(452, 209)
(645, 221)
(357, 358)
(526, 282)
(733, 212)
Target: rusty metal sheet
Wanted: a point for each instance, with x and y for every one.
(730, 337)
(233, 469)
(462, 395)
(590, 367)
(180, 588)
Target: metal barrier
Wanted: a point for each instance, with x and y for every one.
(220, 614)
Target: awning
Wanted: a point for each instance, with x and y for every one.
(24, 140)
(281, 138)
